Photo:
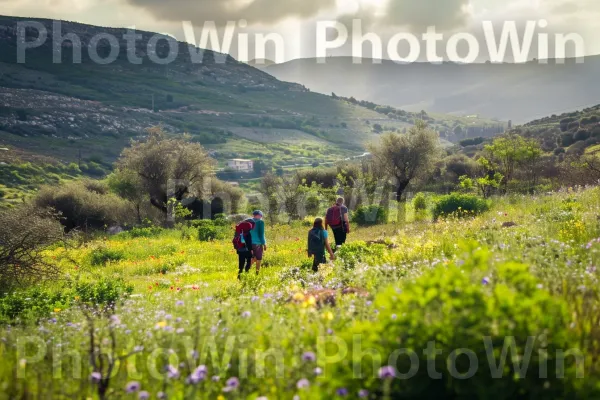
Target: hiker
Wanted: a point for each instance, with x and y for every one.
(242, 242)
(337, 219)
(259, 242)
(318, 242)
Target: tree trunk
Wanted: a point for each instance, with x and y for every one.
(400, 188)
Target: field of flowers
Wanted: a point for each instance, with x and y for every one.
(157, 314)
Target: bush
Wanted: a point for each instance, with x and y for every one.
(370, 215)
(146, 232)
(459, 205)
(103, 255)
(354, 253)
(24, 234)
(209, 230)
(82, 206)
(465, 317)
(420, 202)
(103, 292)
(32, 304)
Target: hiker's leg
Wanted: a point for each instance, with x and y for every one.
(337, 235)
(316, 262)
(258, 256)
(248, 261)
(241, 262)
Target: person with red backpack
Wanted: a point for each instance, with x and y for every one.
(337, 219)
(242, 243)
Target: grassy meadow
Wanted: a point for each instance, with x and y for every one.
(184, 326)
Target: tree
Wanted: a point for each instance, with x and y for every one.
(24, 234)
(128, 185)
(511, 151)
(407, 157)
(167, 167)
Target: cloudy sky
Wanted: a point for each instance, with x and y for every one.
(295, 20)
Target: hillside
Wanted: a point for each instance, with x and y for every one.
(571, 133)
(54, 114)
(517, 92)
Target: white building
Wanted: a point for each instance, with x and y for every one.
(239, 164)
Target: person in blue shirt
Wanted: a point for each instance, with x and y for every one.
(259, 242)
(318, 242)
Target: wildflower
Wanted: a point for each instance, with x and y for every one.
(262, 398)
(394, 316)
(161, 395)
(318, 371)
(115, 320)
(179, 330)
(56, 310)
(485, 280)
(328, 316)
(302, 383)
(95, 377)
(143, 395)
(299, 296)
(254, 298)
(309, 356)
(199, 374)
(172, 372)
(161, 324)
(246, 314)
(232, 384)
(387, 372)
(179, 303)
(215, 378)
(362, 393)
(132, 386)
(342, 392)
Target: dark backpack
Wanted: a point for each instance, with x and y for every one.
(334, 217)
(242, 229)
(316, 242)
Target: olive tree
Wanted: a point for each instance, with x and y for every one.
(167, 167)
(407, 157)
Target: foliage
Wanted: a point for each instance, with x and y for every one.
(167, 167)
(352, 254)
(407, 157)
(459, 205)
(82, 208)
(420, 202)
(24, 234)
(454, 308)
(102, 292)
(102, 255)
(370, 215)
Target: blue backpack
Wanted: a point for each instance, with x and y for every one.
(316, 242)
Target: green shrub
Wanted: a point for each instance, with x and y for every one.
(459, 205)
(207, 233)
(353, 253)
(102, 292)
(103, 255)
(460, 311)
(151, 231)
(370, 215)
(32, 304)
(420, 202)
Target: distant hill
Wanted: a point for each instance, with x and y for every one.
(261, 63)
(571, 133)
(517, 92)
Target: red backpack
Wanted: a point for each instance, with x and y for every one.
(241, 229)
(334, 216)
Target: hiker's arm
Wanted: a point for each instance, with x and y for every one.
(261, 234)
(328, 247)
(326, 224)
(347, 220)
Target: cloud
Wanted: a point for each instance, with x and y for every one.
(419, 14)
(221, 11)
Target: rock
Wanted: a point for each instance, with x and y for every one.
(114, 230)
(509, 224)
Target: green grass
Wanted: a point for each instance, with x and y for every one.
(186, 297)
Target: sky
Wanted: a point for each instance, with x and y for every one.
(295, 20)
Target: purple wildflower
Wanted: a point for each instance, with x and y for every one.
(232, 384)
(199, 374)
(216, 378)
(342, 392)
(143, 395)
(387, 372)
(172, 372)
(309, 356)
(362, 393)
(161, 395)
(246, 314)
(485, 280)
(179, 303)
(95, 377)
(318, 371)
(132, 386)
(302, 383)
